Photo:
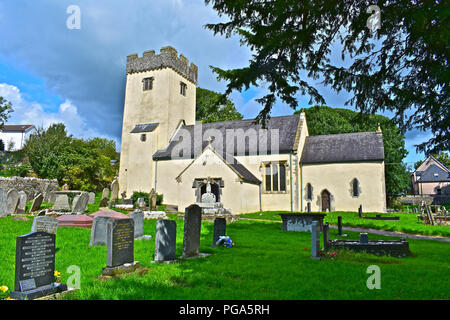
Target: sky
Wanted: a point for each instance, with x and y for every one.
(54, 73)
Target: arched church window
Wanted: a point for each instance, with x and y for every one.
(143, 137)
(355, 187)
(309, 191)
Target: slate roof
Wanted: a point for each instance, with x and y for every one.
(286, 125)
(146, 127)
(16, 127)
(359, 146)
(434, 174)
(245, 174)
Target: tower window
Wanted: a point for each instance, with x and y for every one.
(147, 83)
(183, 88)
(309, 190)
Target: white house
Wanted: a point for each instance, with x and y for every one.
(14, 136)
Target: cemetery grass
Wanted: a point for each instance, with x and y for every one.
(408, 222)
(265, 263)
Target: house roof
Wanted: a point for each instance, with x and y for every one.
(346, 147)
(425, 164)
(16, 127)
(233, 164)
(146, 127)
(286, 126)
(434, 174)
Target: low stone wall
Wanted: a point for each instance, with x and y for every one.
(31, 186)
(429, 199)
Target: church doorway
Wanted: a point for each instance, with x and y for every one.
(325, 196)
(214, 190)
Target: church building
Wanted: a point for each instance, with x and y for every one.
(250, 167)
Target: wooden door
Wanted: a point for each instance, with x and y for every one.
(325, 195)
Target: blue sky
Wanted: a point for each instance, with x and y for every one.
(53, 74)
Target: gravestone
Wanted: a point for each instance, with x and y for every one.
(141, 203)
(99, 231)
(91, 197)
(309, 207)
(360, 213)
(120, 242)
(138, 218)
(192, 229)
(114, 190)
(37, 201)
(22, 205)
(326, 236)
(315, 240)
(35, 266)
(339, 225)
(152, 200)
(52, 197)
(105, 193)
(47, 192)
(61, 203)
(45, 224)
(3, 206)
(165, 240)
(80, 205)
(12, 200)
(220, 229)
(363, 237)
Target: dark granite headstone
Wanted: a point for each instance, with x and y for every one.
(360, 213)
(315, 240)
(165, 240)
(363, 238)
(220, 228)
(339, 225)
(326, 235)
(120, 242)
(35, 266)
(309, 207)
(192, 229)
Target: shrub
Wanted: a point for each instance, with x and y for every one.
(159, 199)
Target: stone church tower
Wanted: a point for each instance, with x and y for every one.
(160, 96)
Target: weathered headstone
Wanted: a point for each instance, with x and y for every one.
(3, 206)
(360, 213)
(120, 242)
(61, 203)
(12, 200)
(138, 218)
(35, 266)
(105, 193)
(309, 207)
(165, 240)
(326, 235)
(21, 207)
(47, 192)
(192, 229)
(45, 224)
(152, 200)
(114, 190)
(37, 201)
(315, 240)
(52, 197)
(99, 231)
(80, 205)
(91, 197)
(141, 203)
(220, 229)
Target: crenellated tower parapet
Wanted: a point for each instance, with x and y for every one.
(168, 58)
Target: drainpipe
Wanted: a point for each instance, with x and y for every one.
(156, 172)
(292, 189)
(301, 186)
(260, 201)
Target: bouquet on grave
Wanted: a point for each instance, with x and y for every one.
(225, 241)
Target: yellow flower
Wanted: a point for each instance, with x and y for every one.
(4, 288)
(57, 274)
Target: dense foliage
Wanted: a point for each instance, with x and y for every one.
(82, 164)
(211, 108)
(326, 120)
(397, 60)
(5, 110)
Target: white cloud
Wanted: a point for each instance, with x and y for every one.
(30, 112)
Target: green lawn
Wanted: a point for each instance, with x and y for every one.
(266, 263)
(408, 222)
